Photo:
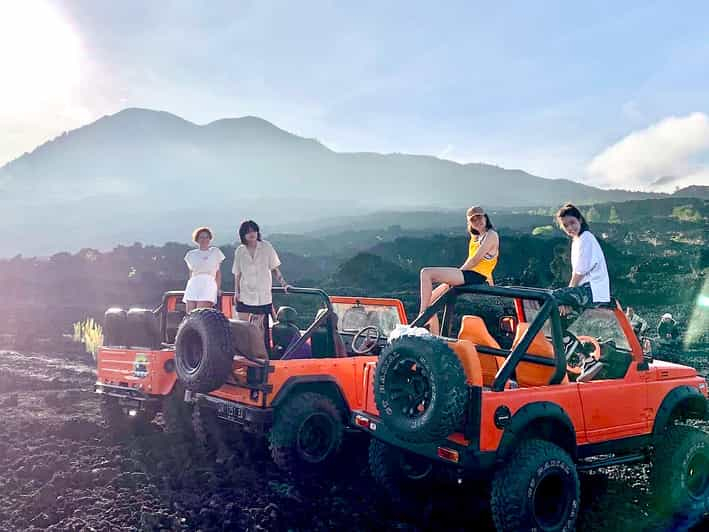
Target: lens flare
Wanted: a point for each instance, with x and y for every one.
(699, 322)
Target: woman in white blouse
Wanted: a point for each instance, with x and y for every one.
(254, 262)
(205, 278)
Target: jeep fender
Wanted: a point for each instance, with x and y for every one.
(324, 384)
(684, 398)
(545, 420)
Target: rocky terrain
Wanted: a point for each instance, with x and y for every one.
(60, 469)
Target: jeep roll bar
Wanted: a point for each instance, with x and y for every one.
(549, 309)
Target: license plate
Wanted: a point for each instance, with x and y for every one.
(229, 412)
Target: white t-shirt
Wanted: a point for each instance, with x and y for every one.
(256, 280)
(587, 259)
(204, 262)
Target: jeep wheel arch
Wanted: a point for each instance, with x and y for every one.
(683, 401)
(325, 385)
(542, 420)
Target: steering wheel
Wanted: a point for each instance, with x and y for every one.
(577, 351)
(368, 337)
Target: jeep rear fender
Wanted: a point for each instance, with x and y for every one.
(683, 401)
(326, 385)
(543, 420)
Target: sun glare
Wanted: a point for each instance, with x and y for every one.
(39, 54)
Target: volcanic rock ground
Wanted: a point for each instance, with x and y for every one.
(60, 469)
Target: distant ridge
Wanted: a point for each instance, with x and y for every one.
(152, 176)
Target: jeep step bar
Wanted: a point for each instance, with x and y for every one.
(634, 458)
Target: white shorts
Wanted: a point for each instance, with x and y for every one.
(201, 288)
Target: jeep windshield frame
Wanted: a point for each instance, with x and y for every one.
(549, 309)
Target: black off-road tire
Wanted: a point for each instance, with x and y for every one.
(177, 414)
(536, 489)
(306, 434)
(437, 378)
(119, 423)
(406, 478)
(203, 350)
(679, 477)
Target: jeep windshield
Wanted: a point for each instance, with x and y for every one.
(355, 313)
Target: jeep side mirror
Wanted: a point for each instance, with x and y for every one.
(508, 324)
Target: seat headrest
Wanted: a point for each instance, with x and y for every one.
(286, 315)
(473, 328)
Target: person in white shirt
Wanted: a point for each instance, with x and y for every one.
(589, 284)
(255, 261)
(205, 278)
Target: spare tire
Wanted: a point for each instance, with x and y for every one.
(143, 329)
(420, 389)
(114, 327)
(203, 350)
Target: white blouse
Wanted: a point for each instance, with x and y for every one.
(204, 262)
(256, 279)
(587, 260)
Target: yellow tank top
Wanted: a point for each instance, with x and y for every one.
(488, 262)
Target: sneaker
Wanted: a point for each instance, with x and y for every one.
(591, 368)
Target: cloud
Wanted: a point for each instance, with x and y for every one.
(668, 148)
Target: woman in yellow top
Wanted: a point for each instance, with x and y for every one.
(483, 252)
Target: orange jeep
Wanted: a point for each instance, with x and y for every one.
(496, 397)
(302, 389)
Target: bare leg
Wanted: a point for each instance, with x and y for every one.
(204, 304)
(450, 276)
(244, 316)
(190, 306)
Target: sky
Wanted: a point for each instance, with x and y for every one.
(611, 95)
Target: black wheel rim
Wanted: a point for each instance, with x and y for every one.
(410, 388)
(551, 500)
(698, 476)
(414, 467)
(192, 351)
(316, 437)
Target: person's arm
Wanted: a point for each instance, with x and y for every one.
(585, 261)
(277, 272)
(274, 264)
(218, 278)
(187, 261)
(490, 243)
(237, 282)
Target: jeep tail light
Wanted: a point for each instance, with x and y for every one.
(361, 421)
(448, 454)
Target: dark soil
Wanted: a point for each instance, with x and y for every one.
(61, 470)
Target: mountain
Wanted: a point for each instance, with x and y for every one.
(694, 191)
(142, 175)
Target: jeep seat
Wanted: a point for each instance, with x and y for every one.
(470, 361)
(473, 328)
(325, 341)
(529, 373)
(285, 331)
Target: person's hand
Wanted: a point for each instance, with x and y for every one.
(564, 310)
(286, 287)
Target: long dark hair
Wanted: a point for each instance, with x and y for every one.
(570, 209)
(246, 227)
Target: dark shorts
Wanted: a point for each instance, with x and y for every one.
(471, 277)
(254, 309)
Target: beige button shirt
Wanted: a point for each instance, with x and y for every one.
(256, 279)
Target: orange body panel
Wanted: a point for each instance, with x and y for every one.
(118, 367)
(599, 410)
